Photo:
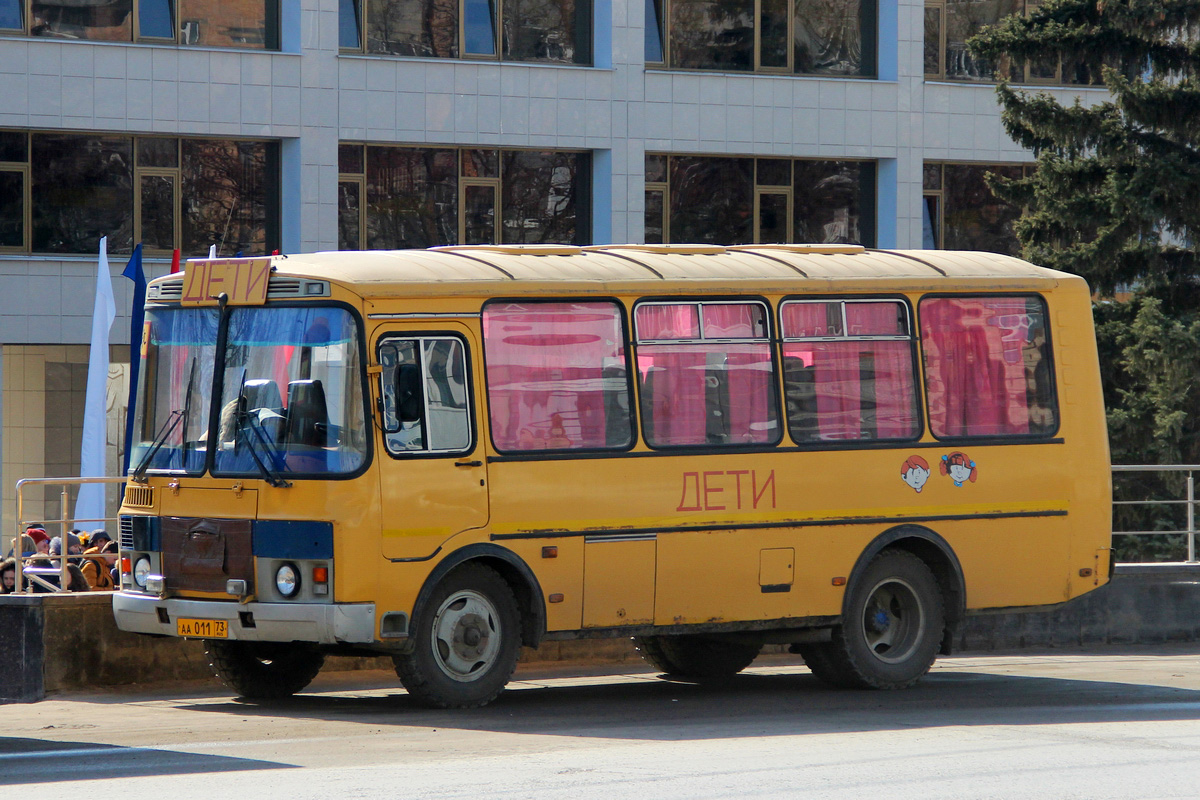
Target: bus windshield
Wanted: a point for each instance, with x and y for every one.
(171, 419)
(291, 400)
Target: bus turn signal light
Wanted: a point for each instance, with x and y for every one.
(1086, 572)
(126, 565)
(320, 576)
(839, 581)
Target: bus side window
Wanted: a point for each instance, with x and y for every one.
(848, 370)
(706, 372)
(988, 366)
(425, 395)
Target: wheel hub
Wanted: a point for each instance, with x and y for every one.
(466, 635)
(893, 620)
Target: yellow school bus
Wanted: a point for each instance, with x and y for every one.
(442, 455)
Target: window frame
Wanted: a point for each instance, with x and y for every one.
(1003, 68)
(916, 368)
(867, 221)
(422, 336)
(869, 39)
(26, 200)
(941, 192)
(271, 187)
(769, 339)
(1051, 363)
(271, 26)
(580, 190)
(585, 43)
(631, 393)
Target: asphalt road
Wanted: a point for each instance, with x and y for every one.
(1116, 723)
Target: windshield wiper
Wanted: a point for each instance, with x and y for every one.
(173, 420)
(247, 420)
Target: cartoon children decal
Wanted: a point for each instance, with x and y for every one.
(915, 471)
(959, 467)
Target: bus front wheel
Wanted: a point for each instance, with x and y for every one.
(692, 656)
(264, 670)
(466, 645)
(891, 631)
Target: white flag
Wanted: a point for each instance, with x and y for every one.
(89, 508)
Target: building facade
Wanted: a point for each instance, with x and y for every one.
(304, 125)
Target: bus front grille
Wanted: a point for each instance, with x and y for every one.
(203, 555)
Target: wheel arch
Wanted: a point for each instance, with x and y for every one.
(512, 568)
(937, 554)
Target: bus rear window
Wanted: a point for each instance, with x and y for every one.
(848, 370)
(556, 376)
(706, 374)
(987, 366)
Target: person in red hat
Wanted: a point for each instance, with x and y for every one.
(40, 538)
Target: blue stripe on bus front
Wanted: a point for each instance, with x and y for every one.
(293, 539)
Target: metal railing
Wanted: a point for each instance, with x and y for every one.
(34, 579)
(1188, 501)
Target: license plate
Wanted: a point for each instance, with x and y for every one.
(202, 628)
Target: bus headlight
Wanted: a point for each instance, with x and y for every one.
(141, 571)
(287, 580)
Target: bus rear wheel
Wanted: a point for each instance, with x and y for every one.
(693, 656)
(467, 643)
(264, 670)
(891, 631)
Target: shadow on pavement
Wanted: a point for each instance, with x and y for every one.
(779, 704)
(43, 761)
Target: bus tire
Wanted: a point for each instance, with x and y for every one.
(466, 644)
(698, 657)
(264, 670)
(891, 631)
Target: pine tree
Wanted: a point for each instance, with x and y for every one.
(1115, 197)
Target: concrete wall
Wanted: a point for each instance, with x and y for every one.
(52, 643)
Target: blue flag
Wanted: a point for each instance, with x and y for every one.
(133, 271)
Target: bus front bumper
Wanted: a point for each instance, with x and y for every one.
(352, 623)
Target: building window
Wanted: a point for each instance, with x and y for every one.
(61, 192)
(987, 367)
(960, 212)
(948, 25)
(720, 200)
(392, 197)
(803, 37)
(551, 31)
(848, 370)
(706, 374)
(205, 23)
(557, 376)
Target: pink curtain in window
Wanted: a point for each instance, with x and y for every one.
(894, 396)
(546, 373)
(838, 370)
(807, 319)
(974, 365)
(748, 370)
(675, 378)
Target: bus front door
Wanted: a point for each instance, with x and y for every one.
(433, 476)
